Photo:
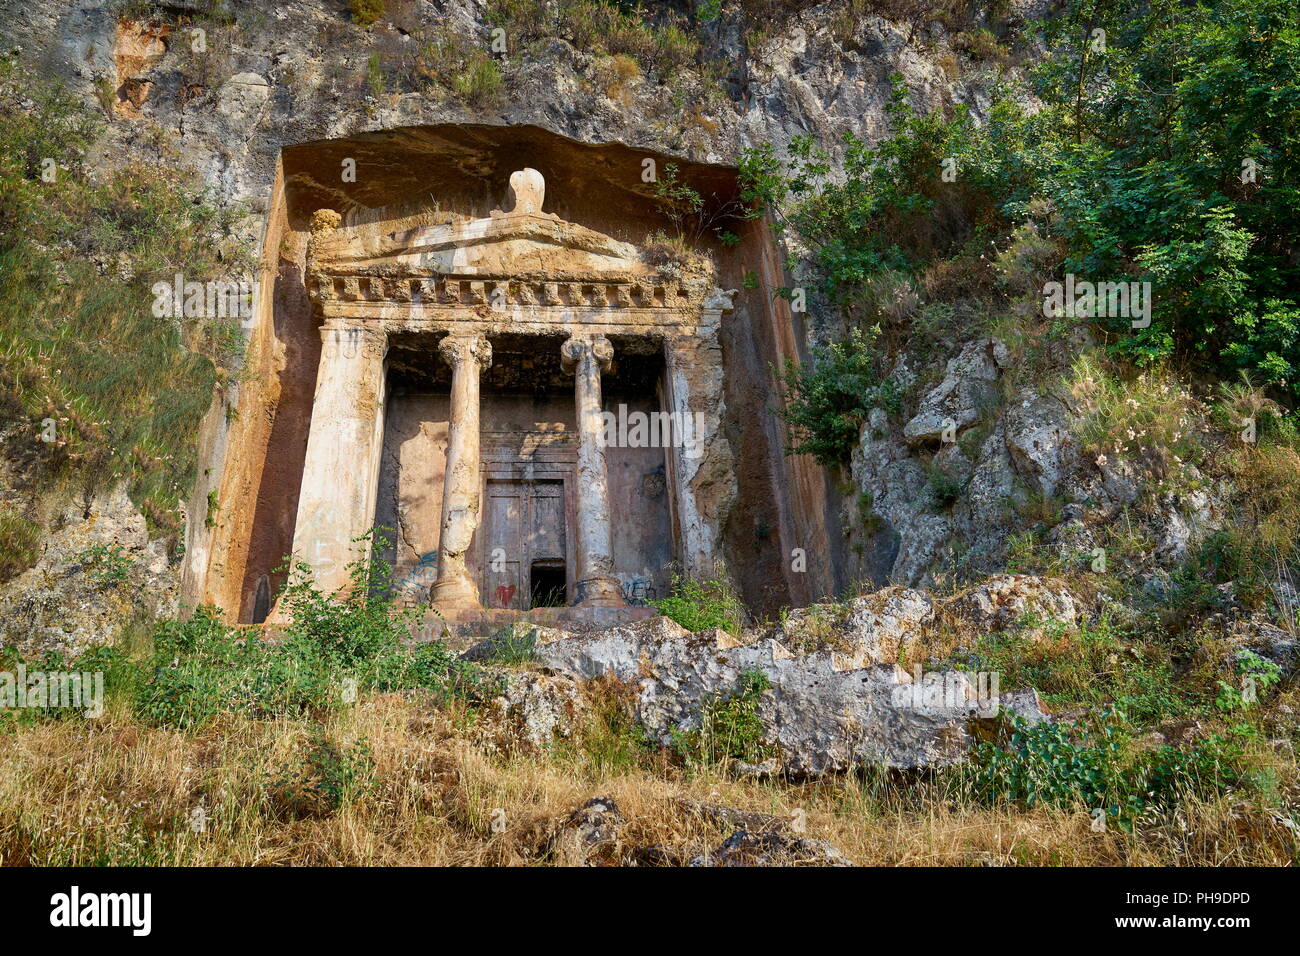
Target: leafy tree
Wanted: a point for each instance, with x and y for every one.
(1163, 146)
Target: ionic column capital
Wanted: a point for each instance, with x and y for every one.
(578, 347)
(458, 349)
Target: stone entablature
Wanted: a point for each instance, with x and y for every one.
(336, 292)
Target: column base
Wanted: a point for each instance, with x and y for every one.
(455, 594)
(600, 591)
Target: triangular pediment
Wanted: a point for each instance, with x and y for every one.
(524, 242)
(500, 245)
(525, 265)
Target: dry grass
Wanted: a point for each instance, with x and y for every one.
(115, 792)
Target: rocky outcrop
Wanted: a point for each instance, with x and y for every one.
(968, 387)
(1006, 599)
(868, 630)
(597, 834)
(98, 570)
(819, 716)
(592, 835)
(533, 709)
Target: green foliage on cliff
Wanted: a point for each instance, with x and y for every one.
(366, 12)
(593, 25)
(1166, 150)
(828, 400)
(99, 389)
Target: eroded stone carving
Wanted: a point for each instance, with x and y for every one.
(468, 356)
(516, 274)
(586, 359)
(529, 189)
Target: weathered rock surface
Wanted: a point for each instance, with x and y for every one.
(535, 709)
(968, 387)
(869, 630)
(1004, 599)
(819, 716)
(772, 848)
(592, 835)
(98, 570)
(1038, 439)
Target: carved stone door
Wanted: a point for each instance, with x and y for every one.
(523, 555)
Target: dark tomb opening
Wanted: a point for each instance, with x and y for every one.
(549, 584)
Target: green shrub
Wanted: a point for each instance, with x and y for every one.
(730, 726)
(1148, 419)
(366, 12)
(459, 64)
(1094, 665)
(1097, 767)
(375, 75)
(611, 740)
(700, 605)
(982, 45)
(106, 563)
(515, 644)
(1257, 675)
(828, 399)
(333, 647)
(944, 489)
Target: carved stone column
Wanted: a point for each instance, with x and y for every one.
(340, 476)
(701, 467)
(468, 356)
(586, 358)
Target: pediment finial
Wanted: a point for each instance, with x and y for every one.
(528, 189)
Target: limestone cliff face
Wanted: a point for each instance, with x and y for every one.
(241, 91)
(289, 73)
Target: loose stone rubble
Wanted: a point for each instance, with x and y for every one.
(769, 848)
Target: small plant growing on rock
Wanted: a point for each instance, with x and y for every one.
(106, 563)
(944, 489)
(730, 726)
(515, 644)
(700, 605)
(366, 12)
(480, 83)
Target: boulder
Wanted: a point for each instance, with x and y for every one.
(535, 709)
(818, 717)
(592, 835)
(772, 848)
(868, 630)
(999, 602)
